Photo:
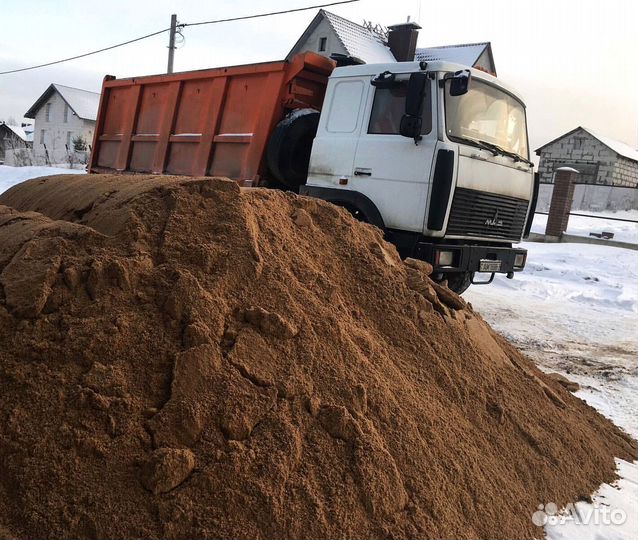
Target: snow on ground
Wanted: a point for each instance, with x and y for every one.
(10, 176)
(582, 226)
(575, 310)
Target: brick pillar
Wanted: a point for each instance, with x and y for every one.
(561, 204)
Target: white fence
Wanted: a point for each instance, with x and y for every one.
(592, 198)
(23, 157)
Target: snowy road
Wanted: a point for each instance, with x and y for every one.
(575, 310)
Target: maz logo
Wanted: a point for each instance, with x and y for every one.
(494, 222)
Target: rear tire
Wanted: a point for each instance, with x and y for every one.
(289, 147)
(459, 281)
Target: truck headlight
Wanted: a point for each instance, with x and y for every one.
(519, 260)
(444, 258)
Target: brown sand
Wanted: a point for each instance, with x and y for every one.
(182, 359)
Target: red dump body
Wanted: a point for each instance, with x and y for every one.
(211, 122)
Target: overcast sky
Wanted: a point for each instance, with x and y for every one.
(575, 62)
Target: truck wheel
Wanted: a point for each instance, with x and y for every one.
(289, 147)
(459, 281)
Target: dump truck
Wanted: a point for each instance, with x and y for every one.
(435, 154)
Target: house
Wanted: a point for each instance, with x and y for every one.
(62, 115)
(599, 159)
(13, 139)
(476, 55)
(329, 34)
(608, 170)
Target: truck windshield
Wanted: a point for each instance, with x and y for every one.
(487, 115)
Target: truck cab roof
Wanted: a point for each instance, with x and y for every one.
(371, 70)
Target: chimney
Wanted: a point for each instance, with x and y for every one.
(402, 40)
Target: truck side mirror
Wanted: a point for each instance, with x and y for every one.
(416, 91)
(411, 121)
(411, 127)
(460, 82)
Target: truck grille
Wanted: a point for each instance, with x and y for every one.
(476, 213)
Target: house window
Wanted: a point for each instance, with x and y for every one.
(388, 108)
(322, 44)
(48, 113)
(41, 136)
(66, 113)
(69, 136)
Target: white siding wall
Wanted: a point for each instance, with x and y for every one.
(56, 131)
(333, 45)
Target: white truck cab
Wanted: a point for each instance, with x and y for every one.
(437, 156)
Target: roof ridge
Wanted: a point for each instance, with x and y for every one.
(352, 23)
(459, 45)
(74, 88)
(344, 19)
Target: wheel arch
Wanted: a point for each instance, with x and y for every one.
(348, 199)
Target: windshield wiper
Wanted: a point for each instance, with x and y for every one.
(480, 144)
(516, 157)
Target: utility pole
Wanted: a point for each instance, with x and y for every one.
(171, 43)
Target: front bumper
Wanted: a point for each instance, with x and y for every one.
(450, 258)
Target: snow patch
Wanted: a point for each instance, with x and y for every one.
(10, 176)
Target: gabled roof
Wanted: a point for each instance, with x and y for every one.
(371, 47)
(466, 54)
(357, 40)
(620, 148)
(82, 102)
(19, 132)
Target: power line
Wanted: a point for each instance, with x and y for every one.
(86, 54)
(269, 14)
(181, 25)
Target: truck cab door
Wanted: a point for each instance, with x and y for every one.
(335, 144)
(392, 170)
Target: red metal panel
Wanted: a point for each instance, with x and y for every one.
(131, 106)
(166, 126)
(214, 121)
(211, 116)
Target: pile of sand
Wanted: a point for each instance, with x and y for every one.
(182, 359)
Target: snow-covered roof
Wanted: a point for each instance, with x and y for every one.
(466, 55)
(620, 148)
(19, 131)
(356, 39)
(359, 41)
(82, 102)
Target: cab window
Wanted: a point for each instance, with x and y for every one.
(388, 108)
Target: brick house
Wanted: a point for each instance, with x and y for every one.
(61, 115)
(608, 171)
(599, 159)
(329, 34)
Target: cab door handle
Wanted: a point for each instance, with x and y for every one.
(359, 171)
